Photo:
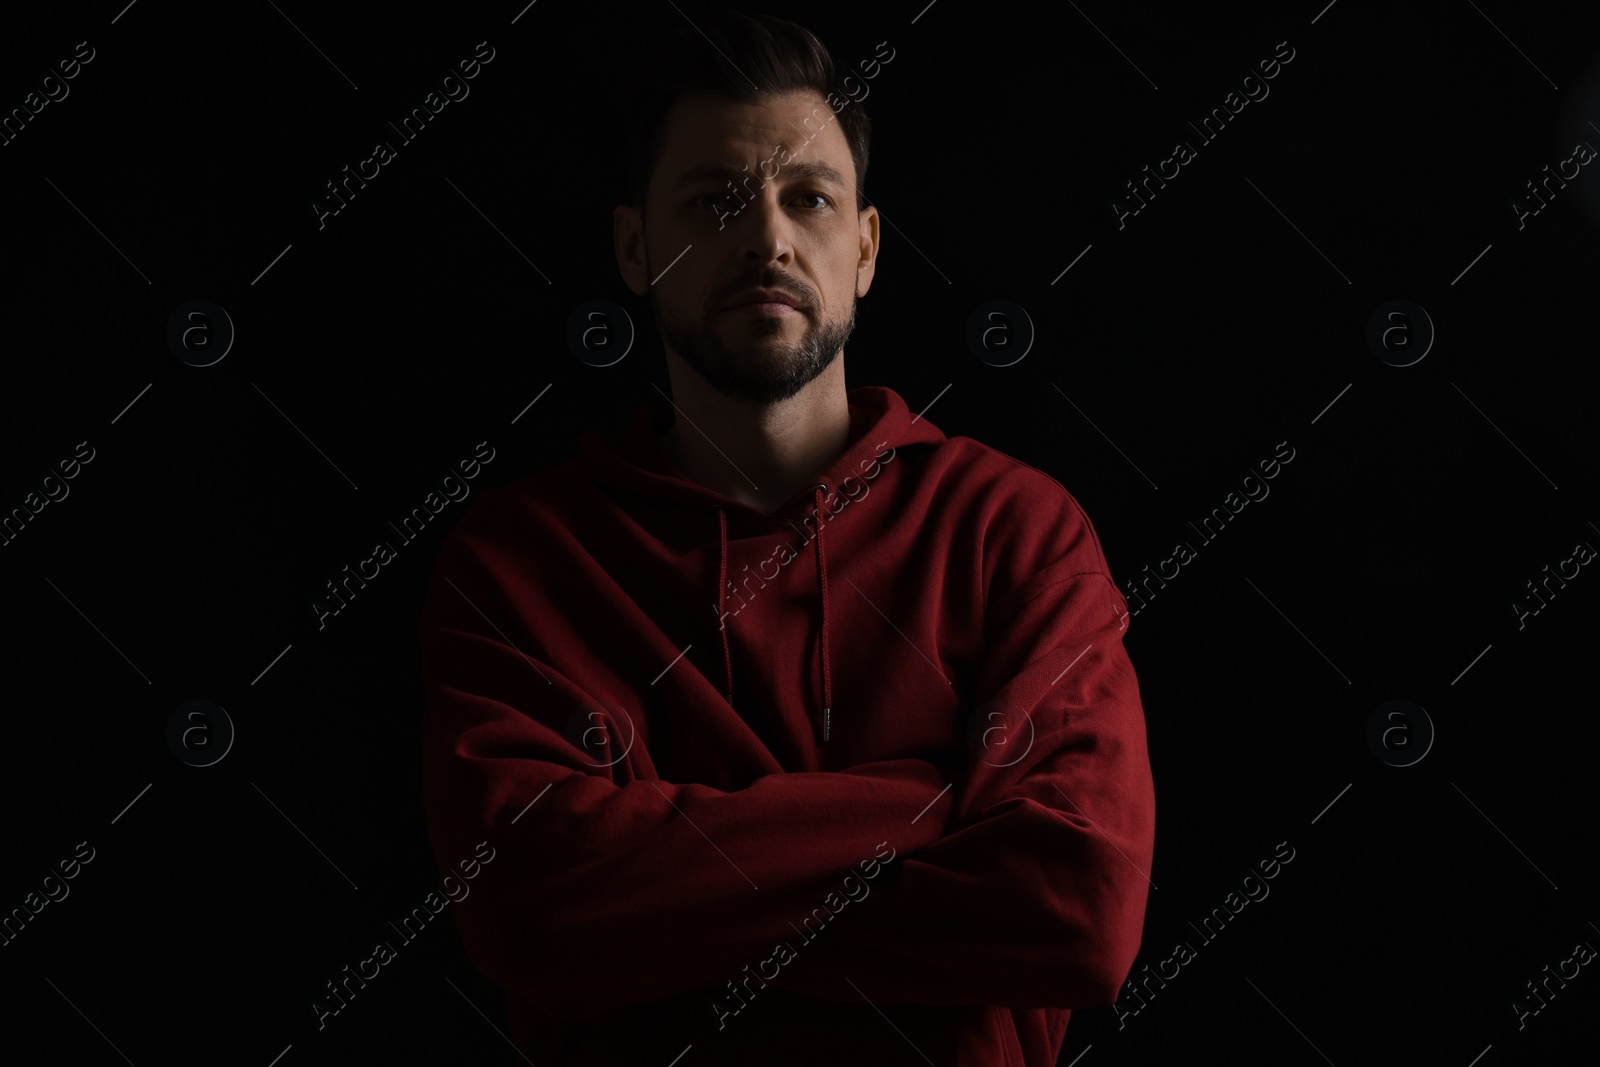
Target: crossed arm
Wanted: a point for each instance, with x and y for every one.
(1023, 884)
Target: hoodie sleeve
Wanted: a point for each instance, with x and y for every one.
(1036, 895)
(606, 885)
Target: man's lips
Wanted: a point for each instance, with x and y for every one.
(774, 308)
(766, 297)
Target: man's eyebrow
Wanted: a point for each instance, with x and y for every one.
(794, 170)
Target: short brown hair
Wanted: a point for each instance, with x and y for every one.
(740, 57)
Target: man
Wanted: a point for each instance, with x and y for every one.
(803, 734)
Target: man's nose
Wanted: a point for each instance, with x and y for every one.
(765, 230)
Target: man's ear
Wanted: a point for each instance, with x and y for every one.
(867, 264)
(627, 234)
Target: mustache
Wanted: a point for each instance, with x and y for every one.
(801, 293)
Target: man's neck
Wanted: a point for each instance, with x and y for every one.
(759, 455)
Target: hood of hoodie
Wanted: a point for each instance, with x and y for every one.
(629, 466)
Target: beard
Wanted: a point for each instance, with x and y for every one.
(766, 370)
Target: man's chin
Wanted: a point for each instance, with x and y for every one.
(765, 349)
(740, 329)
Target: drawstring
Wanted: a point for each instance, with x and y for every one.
(822, 638)
(722, 597)
(822, 584)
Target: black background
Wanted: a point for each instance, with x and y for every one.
(1179, 350)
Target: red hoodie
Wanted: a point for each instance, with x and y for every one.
(857, 780)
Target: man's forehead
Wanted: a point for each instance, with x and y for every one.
(798, 120)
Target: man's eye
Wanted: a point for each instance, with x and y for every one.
(715, 198)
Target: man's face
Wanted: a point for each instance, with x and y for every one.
(788, 224)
